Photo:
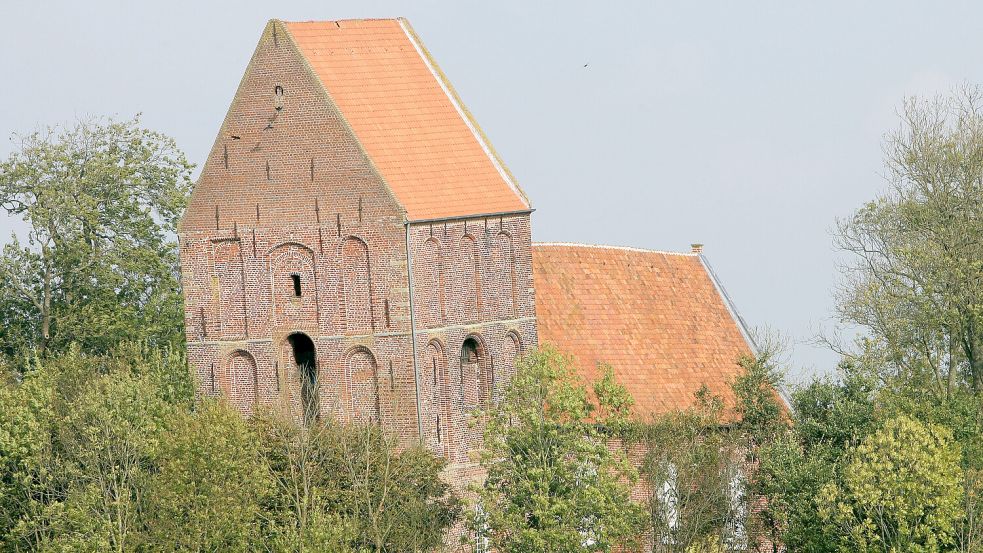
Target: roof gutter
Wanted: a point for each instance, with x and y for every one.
(476, 216)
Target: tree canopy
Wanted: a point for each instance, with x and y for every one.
(915, 279)
(98, 264)
(553, 482)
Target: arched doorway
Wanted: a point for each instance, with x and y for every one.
(305, 358)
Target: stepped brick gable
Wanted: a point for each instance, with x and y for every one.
(656, 317)
(354, 248)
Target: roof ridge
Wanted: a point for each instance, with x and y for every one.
(608, 247)
(344, 20)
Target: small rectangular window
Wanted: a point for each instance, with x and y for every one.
(296, 281)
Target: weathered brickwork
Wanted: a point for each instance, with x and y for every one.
(474, 323)
(355, 249)
(292, 234)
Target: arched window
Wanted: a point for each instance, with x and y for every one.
(293, 277)
(278, 97)
(476, 374)
(469, 351)
(511, 350)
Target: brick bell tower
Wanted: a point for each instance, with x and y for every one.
(354, 246)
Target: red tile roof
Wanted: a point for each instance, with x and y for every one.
(655, 317)
(408, 118)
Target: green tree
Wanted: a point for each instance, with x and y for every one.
(209, 485)
(78, 436)
(26, 418)
(103, 444)
(790, 479)
(352, 487)
(916, 284)
(901, 490)
(690, 468)
(99, 263)
(553, 483)
(759, 409)
(828, 419)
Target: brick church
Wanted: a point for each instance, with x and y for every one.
(356, 248)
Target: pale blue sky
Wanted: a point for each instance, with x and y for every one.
(749, 126)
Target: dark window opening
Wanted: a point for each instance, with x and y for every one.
(469, 351)
(476, 375)
(296, 282)
(435, 372)
(306, 360)
(439, 437)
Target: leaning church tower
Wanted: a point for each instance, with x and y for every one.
(354, 247)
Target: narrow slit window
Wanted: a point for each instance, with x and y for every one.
(295, 279)
(278, 97)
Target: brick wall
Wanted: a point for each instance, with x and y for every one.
(472, 282)
(287, 199)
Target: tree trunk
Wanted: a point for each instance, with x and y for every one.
(45, 308)
(973, 346)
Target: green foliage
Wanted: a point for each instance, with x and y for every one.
(698, 459)
(210, 484)
(888, 457)
(26, 417)
(106, 442)
(553, 484)
(830, 422)
(900, 491)
(99, 264)
(835, 415)
(790, 479)
(110, 453)
(828, 418)
(915, 284)
(77, 434)
(375, 495)
(614, 403)
(759, 409)
(690, 466)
